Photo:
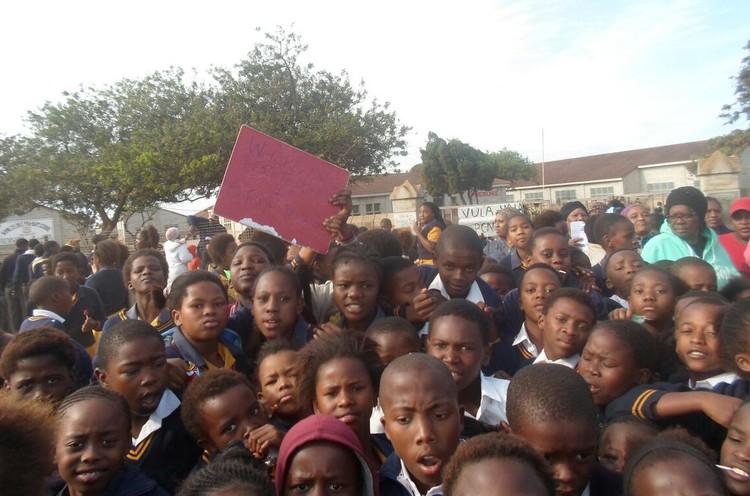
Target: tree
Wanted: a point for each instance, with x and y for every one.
(103, 152)
(456, 168)
(739, 110)
(316, 111)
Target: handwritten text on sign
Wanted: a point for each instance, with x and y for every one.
(481, 218)
(277, 188)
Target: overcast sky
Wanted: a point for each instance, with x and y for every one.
(597, 76)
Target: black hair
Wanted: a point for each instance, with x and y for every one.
(356, 254)
(204, 387)
(415, 362)
(259, 246)
(706, 298)
(540, 233)
(286, 272)
(734, 288)
(678, 285)
(496, 268)
(435, 212)
(43, 289)
(235, 468)
(96, 393)
(277, 247)
(65, 257)
(635, 337)
(272, 347)
(218, 245)
(545, 392)
(127, 267)
(40, 341)
(574, 294)
(547, 218)
(535, 266)
(606, 225)
(121, 333)
(381, 242)
(318, 352)
(188, 279)
(735, 334)
(393, 265)
(50, 245)
(646, 424)
(388, 325)
(609, 259)
(685, 262)
(588, 228)
(466, 310)
(496, 445)
(22, 243)
(665, 450)
(459, 237)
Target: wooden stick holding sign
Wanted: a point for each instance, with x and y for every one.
(277, 188)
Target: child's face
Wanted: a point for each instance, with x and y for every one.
(403, 286)
(569, 446)
(608, 367)
(552, 250)
(391, 345)
(616, 443)
(458, 269)
(623, 238)
(91, 443)
(565, 328)
(234, 414)
(458, 343)
(277, 375)
(355, 291)
(324, 468)
(735, 452)
(499, 477)
(697, 336)
(276, 305)
(146, 275)
(138, 371)
(68, 271)
(652, 296)
(675, 477)
(519, 232)
(500, 283)
(423, 421)
(203, 312)
(699, 278)
(621, 269)
(344, 389)
(246, 264)
(40, 377)
(537, 286)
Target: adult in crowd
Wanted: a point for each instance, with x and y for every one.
(641, 219)
(498, 248)
(714, 217)
(685, 234)
(177, 254)
(428, 229)
(13, 295)
(572, 212)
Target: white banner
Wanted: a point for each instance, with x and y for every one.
(26, 228)
(481, 218)
(404, 219)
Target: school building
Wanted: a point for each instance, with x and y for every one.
(645, 175)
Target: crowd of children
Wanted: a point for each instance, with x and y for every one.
(361, 372)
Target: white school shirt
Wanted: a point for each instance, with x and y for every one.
(405, 480)
(492, 404)
(713, 381)
(523, 338)
(570, 362)
(38, 312)
(167, 404)
(474, 296)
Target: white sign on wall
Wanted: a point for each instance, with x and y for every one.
(40, 229)
(404, 219)
(481, 218)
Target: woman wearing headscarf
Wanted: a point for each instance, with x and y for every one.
(685, 234)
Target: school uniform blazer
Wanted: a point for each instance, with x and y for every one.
(129, 482)
(83, 370)
(85, 299)
(163, 322)
(605, 482)
(388, 475)
(179, 347)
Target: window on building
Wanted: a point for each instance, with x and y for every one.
(536, 196)
(602, 192)
(653, 187)
(510, 198)
(372, 208)
(565, 195)
(355, 209)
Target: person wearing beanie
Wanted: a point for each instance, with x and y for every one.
(685, 234)
(177, 255)
(320, 448)
(571, 212)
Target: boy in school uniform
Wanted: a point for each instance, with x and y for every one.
(459, 336)
(550, 406)
(132, 362)
(423, 421)
(613, 232)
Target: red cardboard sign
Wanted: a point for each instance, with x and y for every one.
(277, 188)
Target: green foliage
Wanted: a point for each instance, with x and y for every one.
(456, 168)
(739, 110)
(102, 152)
